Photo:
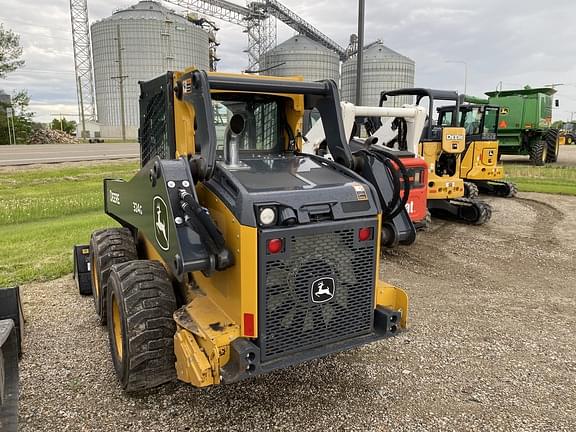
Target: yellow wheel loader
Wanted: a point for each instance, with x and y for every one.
(442, 146)
(238, 254)
(479, 167)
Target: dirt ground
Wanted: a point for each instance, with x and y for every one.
(491, 347)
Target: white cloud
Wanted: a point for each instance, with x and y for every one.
(528, 42)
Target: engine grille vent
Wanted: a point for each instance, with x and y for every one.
(292, 321)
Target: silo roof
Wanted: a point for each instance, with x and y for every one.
(146, 10)
(300, 43)
(379, 50)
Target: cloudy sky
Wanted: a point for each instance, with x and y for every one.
(515, 42)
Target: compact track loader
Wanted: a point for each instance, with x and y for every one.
(479, 166)
(238, 254)
(398, 143)
(442, 146)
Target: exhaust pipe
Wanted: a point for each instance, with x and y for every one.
(234, 131)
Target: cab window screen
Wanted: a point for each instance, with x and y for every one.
(262, 131)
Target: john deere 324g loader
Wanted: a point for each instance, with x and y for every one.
(237, 254)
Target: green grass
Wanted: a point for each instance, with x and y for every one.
(44, 212)
(546, 179)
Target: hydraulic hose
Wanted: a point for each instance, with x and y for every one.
(396, 169)
(202, 223)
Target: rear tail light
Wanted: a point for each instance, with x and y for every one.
(365, 234)
(248, 324)
(275, 246)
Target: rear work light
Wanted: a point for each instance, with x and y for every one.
(365, 234)
(275, 245)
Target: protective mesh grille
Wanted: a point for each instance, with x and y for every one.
(153, 129)
(292, 321)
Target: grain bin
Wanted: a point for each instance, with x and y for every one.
(153, 40)
(302, 56)
(384, 69)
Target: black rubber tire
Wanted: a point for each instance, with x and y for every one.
(569, 139)
(108, 247)
(471, 190)
(145, 300)
(538, 153)
(552, 139)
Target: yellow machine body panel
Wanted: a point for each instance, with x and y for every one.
(440, 186)
(202, 344)
(453, 139)
(235, 289)
(480, 162)
(388, 295)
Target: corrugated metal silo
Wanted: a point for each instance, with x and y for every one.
(384, 69)
(302, 56)
(153, 40)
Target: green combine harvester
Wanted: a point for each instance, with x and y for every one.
(525, 123)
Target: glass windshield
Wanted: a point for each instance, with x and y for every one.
(471, 120)
(262, 131)
(490, 120)
(446, 118)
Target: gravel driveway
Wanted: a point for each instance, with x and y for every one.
(491, 347)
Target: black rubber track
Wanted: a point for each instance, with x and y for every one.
(537, 152)
(485, 213)
(108, 247)
(471, 190)
(511, 192)
(551, 138)
(481, 214)
(145, 297)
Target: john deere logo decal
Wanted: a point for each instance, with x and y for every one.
(161, 227)
(322, 290)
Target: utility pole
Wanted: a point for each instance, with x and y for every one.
(465, 72)
(121, 77)
(10, 116)
(360, 54)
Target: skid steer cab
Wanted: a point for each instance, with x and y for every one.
(441, 146)
(479, 167)
(238, 254)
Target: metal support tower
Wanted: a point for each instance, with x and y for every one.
(261, 31)
(259, 21)
(82, 61)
